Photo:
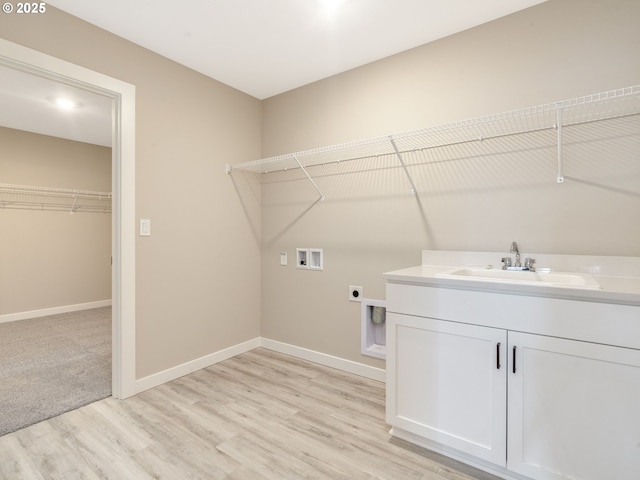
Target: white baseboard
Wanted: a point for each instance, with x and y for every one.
(12, 317)
(186, 368)
(324, 359)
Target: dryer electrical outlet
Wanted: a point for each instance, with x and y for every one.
(355, 293)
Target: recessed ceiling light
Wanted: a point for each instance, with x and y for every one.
(64, 103)
(331, 6)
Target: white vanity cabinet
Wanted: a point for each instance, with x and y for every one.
(500, 382)
(449, 383)
(574, 409)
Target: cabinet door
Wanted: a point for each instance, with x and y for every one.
(447, 383)
(574, 409)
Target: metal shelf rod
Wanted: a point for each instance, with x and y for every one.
(418, 149)
(51, 198)
(608, 105)
(53, 191)
(450, 144)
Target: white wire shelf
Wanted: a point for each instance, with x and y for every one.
(29, 197)
(552, 116)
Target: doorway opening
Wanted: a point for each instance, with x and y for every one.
(122, 97)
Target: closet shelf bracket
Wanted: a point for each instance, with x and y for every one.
(404, 166)
(295, 157)
(560, 178)
(73, 207)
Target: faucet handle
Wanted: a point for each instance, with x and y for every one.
(530, 264)
(506, 262)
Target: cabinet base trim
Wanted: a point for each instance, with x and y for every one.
(456, 455)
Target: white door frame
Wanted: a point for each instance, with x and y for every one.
(123, 188)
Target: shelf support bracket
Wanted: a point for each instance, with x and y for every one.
(309, 178)
(559, 106)
(73, 207)
(404, 167)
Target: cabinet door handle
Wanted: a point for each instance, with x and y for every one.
(514, 360)
(498, 356)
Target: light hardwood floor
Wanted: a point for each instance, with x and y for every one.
(260, 415)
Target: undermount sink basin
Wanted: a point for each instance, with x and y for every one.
(553, 279)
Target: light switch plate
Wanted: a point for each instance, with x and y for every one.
(145, 227)
(283, 259)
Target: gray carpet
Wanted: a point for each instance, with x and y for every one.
(53, 364)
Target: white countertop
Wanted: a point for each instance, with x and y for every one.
(615, 288)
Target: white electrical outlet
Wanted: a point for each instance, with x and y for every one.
(355, 293)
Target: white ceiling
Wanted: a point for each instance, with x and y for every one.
(261, 47)
(28, 103)
(266, 47)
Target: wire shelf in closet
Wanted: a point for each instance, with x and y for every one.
(555, 116)
(28, 197)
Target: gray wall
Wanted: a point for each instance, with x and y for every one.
(370, 223)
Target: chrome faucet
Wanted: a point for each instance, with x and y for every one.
(528, 262)
(514, 249)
